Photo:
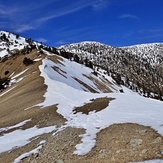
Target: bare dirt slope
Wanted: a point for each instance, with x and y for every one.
(18, 102)
(119, 143)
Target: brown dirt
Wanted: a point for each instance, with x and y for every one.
(101, 85)
(86, 86)
(57, 59)
(59, 71)
(119, 143)
(19, 103)
(96, 105)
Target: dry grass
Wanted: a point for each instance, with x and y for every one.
(56, 59)
(19, 103)
(96, 105)
(100, 85)
(59, 71)
(85, 85)
(25, 94)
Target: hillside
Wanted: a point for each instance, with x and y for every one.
(53, 109)
(138, 67)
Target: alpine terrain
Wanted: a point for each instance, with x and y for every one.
(80, 103)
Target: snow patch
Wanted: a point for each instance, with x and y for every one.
(21, 137)
(7, 91)
(15, 126)
(128, 107)
(27, 154)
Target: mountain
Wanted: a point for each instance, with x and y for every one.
(138, 67)
(153, 53)
(72, 109)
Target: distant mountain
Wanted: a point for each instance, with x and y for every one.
(153, 53)
(138, 67)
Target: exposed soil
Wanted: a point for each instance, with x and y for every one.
(118, 143)
(96, 105)
(101, 86)
(86, 86)
(20, 102)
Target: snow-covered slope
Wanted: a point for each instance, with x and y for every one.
(138, 67)
(151, 52)
(128, 107)
(10, 42)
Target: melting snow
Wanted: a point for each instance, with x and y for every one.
(34, 151)
(15, 126)
(19, 138)
(127, 107)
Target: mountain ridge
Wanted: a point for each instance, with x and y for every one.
(128, 62)
(131, 66)
(54, 109)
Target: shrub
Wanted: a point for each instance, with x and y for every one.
(27, 61)
(4, 82)
(6, 72)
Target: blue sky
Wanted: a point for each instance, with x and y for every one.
(57, 22)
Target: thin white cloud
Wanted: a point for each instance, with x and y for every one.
(61, 42)
(21, 18)
(128, 16)
(22, 28)
(7, 11)
(42, 40)
(156, 30)
(79, 5)
(100, 4)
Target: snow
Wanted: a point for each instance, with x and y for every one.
(67, 71)
(20, 74)
(128, 107)
(42, 142)
(15, 126)
(14, 43)
(24, 155)
(34, 151)
(37, 59)
(1, 94)
(21, 137)
(3, 53)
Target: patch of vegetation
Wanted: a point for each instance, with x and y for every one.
(27, 61)
(7, 72)
(4, 82)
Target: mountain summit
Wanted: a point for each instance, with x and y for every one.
(138, 67)
(81, 102)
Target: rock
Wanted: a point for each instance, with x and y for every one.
(144, 151)
(143, 132)
(60, 161)
(119, 151)
(36, 155)
(135, 142)
(157, 140)
(103, 153)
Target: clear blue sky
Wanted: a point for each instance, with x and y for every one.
(57, 22)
